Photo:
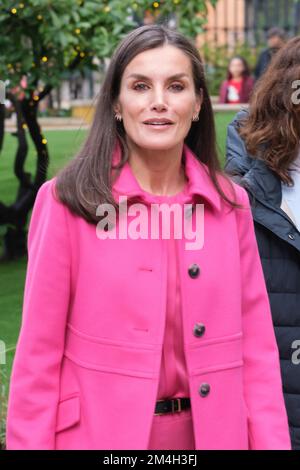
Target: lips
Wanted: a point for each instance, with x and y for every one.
(158, 122)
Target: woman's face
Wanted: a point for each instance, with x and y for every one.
(158, 85)
(236, 67)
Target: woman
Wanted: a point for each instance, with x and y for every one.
(238, 86)
(103, 360)
(263, 155)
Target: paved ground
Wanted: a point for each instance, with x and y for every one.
(53, 123)
(64, 123)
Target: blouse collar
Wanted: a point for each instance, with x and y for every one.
(199, 181)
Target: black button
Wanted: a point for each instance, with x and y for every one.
(199, 329)
(291, 236)
(194, 271)
(204, 389)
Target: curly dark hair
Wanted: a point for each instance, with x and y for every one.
(271, 131)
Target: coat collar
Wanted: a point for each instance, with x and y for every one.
(265, 187)
(264, 182)
(199, 181)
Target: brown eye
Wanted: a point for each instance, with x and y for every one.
(139, 86)
(178, 86)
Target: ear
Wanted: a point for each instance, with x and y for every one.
(117, 109)
(199, 101)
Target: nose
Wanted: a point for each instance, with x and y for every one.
(158, 100)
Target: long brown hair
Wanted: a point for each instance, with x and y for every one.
(271, 131)
(86, 180)
(245, 73)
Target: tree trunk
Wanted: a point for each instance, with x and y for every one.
(2, 117)
(16, 215)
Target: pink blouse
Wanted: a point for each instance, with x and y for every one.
(172, 430)
(173, 375)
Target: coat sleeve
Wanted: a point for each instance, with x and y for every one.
(262, 63)
(267, 418)
(223, 92)
(34, 382)
(249, 88)
(238, 162)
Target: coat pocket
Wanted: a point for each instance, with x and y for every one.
(68, 412)
(217, 354)
(107, 355)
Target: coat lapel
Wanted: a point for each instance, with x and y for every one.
(199, 181)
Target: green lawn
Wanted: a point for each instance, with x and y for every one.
(62, 146)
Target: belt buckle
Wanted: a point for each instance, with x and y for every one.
(173, 405)
(157, 414)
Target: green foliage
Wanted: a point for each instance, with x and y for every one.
(40, 39)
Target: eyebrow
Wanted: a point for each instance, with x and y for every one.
(144, 77)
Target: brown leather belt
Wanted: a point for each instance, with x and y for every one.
(172, 405)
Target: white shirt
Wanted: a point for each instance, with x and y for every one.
(291, 194)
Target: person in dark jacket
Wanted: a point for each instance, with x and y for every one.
(238, 85)
(276, 39)
(263, 156)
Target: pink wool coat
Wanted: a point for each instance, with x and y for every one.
(86, 369)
